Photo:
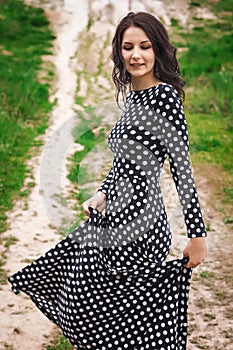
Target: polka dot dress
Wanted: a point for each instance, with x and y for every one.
(108, 285)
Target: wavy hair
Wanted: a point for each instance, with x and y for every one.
(166, 65)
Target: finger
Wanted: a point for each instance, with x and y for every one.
(85, 209)
(189, 265)
(192, 265)
(186, 251)
(87, 212)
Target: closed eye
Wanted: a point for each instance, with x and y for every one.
(128, 48)
(146, 47)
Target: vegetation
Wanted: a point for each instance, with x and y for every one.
(207, 67)
(24, 105)
(89, 134)
(60, 343)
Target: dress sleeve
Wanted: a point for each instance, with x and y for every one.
(174, 135)
(105, 184)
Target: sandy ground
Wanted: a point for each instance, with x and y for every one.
(35, 227)
(35, 221)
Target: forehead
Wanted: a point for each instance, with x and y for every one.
(133, 34)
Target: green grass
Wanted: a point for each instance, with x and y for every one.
(24, 104)
(210, 139)
(85, 135)
(223, 5)
(207, 67)
(60, 343)
(207, 274)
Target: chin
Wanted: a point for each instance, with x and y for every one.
(137, 75)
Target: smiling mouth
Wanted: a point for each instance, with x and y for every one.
(136, 64)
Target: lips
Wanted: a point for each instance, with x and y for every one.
(136, 64)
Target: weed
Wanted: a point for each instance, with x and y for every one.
(9, 241)
(229, 313)
(3, 274)
(174, 22)
(89, 24)
(221, 295)
(60, 343)
(207, 274)
(228, 195)
(228, 220)
(201, 303)
(228, 333)
(209, 316)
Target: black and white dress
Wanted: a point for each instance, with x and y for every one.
(108, 285)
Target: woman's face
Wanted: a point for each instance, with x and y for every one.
(138, 55)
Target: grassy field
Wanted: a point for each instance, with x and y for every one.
(24, 105)
(207, 67)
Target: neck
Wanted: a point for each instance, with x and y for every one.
(142, 84)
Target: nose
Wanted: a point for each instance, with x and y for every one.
(136, 53)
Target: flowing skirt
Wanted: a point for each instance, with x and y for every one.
(98, 302)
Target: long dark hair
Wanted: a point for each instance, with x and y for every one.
(166, 67)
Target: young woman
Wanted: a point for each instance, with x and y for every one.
(107, 285)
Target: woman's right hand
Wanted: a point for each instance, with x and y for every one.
(98, 201)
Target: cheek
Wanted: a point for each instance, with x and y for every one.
(151, 57)
(125, 57)
(151, 62)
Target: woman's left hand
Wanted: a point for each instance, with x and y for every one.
(196, 251)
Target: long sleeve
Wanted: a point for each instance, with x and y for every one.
(173, 131)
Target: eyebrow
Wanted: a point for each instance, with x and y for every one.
(142, 42)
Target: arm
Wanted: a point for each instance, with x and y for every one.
(98, 201)
(174, 135)
(105, 184)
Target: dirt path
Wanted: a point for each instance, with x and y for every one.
(22, 325)
(34, 222)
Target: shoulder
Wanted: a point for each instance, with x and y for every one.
(166, 98)
(162, 94)
(166, 91)
(168, 107)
